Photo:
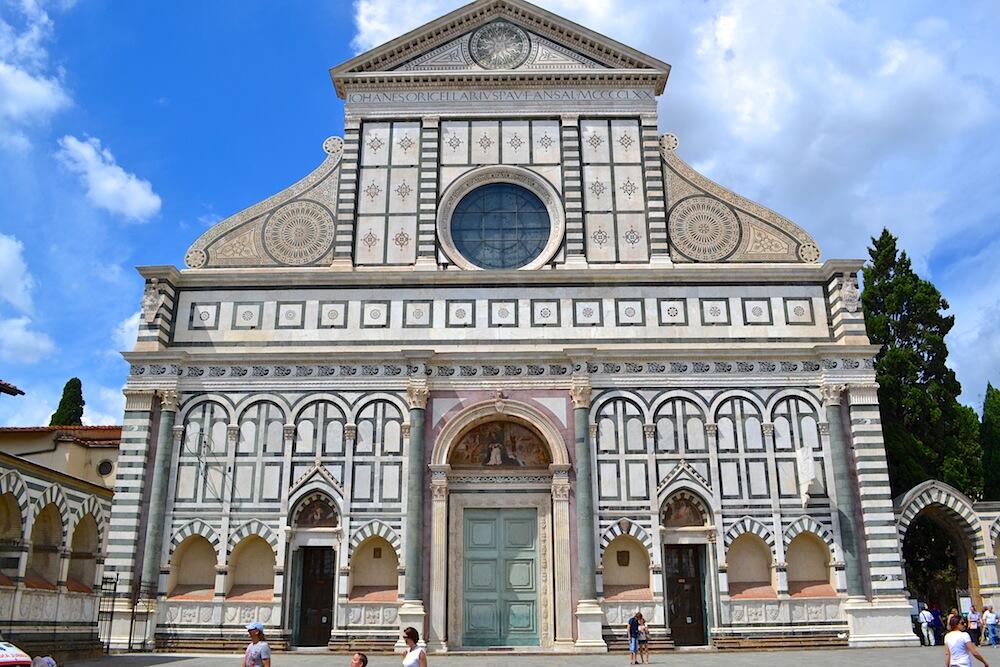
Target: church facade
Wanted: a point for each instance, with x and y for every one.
(505, 368)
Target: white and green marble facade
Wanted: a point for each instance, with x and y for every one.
(676, 337)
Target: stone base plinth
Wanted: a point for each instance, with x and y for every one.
(411, 615)
(589, 627)
(882, 622)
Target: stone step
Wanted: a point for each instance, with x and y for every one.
(789, 641)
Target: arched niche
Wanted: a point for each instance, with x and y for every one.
(84, 548)
(750, 568)
(46, 541)
(11, 535)
(315, 511)
(500, 443)
(192, 570)
(374, 572)
(251, 571)
(626, 570)
(807, 560)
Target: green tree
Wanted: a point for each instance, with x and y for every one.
(989, 443)
(70, 410)
(927, 432)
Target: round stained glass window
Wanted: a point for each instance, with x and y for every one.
(500, 226)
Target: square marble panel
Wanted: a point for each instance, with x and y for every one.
(600, 237)
(374, 314)
(204, 316)
(545, 145)
(597, 188)
(454, 148)
(629, 194)
(375, 144)
(715, 312)
(757, 312)
(485, 142)
(370, 242)
(460, 313)
(247, 315)
(418, 314)
(632, 243)
(290, 315)
(401, 239)
(333, 314)
(630, 312)
(545, 312)
(799, 311)
(406, 144)
(673, 312)
(588, 312)
(403, 186)
(515, 142)
(373, 192)
(626, 141)
(503, 313)
(594, 141)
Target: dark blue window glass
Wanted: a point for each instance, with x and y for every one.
(500, 226)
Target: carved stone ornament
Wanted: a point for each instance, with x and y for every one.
(288, 431)
(404, 429)
(850, 294)
(350, 432)
(169, 400)
(439, 491)
(152, 301)
(649, 430)
(178, 434)
(830, 393)
(864, 393)
(580, 392)
(232, 433)
(768, 429)
(416, 396)
(704, 229)
(500, 45)
(498, 400)
(592, 429)
(299, 232)
(560, 491)
(712, 429)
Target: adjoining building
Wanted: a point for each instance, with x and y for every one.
(505, 368)
(56, 485)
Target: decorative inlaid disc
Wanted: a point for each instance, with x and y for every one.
(704, 229)
(298, 233)
(500, 45)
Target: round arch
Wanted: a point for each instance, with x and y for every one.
(218, 399)
(934, 496)
(487, 411)
(724, 396)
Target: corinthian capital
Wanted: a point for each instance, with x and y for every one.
(580, 392)
(416, 396)
(830, 393)
(169, 399)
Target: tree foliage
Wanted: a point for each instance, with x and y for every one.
(928, 434)
(989, 442)
(70, 410)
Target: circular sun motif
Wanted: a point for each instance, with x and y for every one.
(195, 258)
(808, 252)
(333, 145)
(499, 45)
(704, 229)
(298, 233)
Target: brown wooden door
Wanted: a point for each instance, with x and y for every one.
(685, 594)
(316, 611)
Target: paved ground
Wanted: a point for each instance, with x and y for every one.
(915, 657)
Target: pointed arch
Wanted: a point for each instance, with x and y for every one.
(748, 524)
(934, 494)
(92, 507)
(252, 527)
(372, 529)
(807, 524)
(13, 483)
(630, 527)
(55, 495)
(195, 527)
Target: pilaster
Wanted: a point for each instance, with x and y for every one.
(411, 612)
(430, 130)
(576, 252)
(343, 244)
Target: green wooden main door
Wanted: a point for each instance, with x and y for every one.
(500, 601)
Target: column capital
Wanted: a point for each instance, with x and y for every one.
(417, 394)
(824, 428)
(430, 121)
(863, 393)
(569, 119)
(350, 432)
(404, 429)
(830, 393)
(580, 391)
(178, 433)
(232, 433)
(712, 429)
(592, 429)
(138, 399)
(169, 398)
(768, 428)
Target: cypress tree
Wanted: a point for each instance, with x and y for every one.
(70, 410)
(989, 443)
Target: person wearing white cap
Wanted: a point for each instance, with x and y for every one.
(258, 653)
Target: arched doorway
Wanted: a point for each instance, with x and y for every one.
(941, 543)
(688, 537)
(313, 542)
(500, 552)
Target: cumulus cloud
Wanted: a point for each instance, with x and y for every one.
(21, 344)
(108, 185)
(104, 406)
(125, 333)
(16, 283)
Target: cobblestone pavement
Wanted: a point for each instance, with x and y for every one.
(911, 657)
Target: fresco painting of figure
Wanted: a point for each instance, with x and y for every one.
(500, 444)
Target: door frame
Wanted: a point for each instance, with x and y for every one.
(328, 538)
(701, 551)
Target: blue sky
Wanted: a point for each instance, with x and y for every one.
(127, 128)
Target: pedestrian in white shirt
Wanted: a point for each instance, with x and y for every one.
(926, 619)
(958, 647)
(990, 621)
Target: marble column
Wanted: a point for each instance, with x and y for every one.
(589, 616)
(158, 492)
(437, 637)
(411, 612)
(562, 566)
(844, 487)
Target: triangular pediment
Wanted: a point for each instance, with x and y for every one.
(499, 37)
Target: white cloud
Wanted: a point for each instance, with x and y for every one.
(108, 185)
(20, 344)
(16, 283)
(125, 333)
(103, 406)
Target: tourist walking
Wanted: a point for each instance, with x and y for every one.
(926, 619)
(958, 647)
(975, 626)
(415, 655)
(990, 623)
(258, 653)
(643, 638)
(633, 638)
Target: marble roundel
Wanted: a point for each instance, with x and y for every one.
(500, 45)
(195, 258)
(298, 233)
(704, 229)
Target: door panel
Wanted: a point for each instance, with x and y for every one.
(500, 587)
(685, 594)
(316, 608)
